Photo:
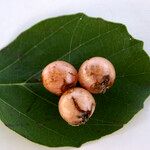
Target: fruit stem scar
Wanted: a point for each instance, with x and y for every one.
(102, 85)
(66, 86)
(76, 105)
(105, 81)
(84, 114)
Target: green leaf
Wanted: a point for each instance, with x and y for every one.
(27, 108)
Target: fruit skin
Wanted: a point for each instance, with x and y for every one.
(97, 75)
(76, 106)
(59, 76)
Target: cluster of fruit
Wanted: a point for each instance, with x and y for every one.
(76, 104)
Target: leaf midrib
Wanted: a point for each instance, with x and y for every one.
(36, 83)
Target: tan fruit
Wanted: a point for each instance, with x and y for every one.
(59, 76)
(76, 106)
(97, 75)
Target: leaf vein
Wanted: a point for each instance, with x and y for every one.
(40, 42)
(76, 48)
(39, 96)
(74, 31)
(39, 124)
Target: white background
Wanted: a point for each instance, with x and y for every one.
(18, 15)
